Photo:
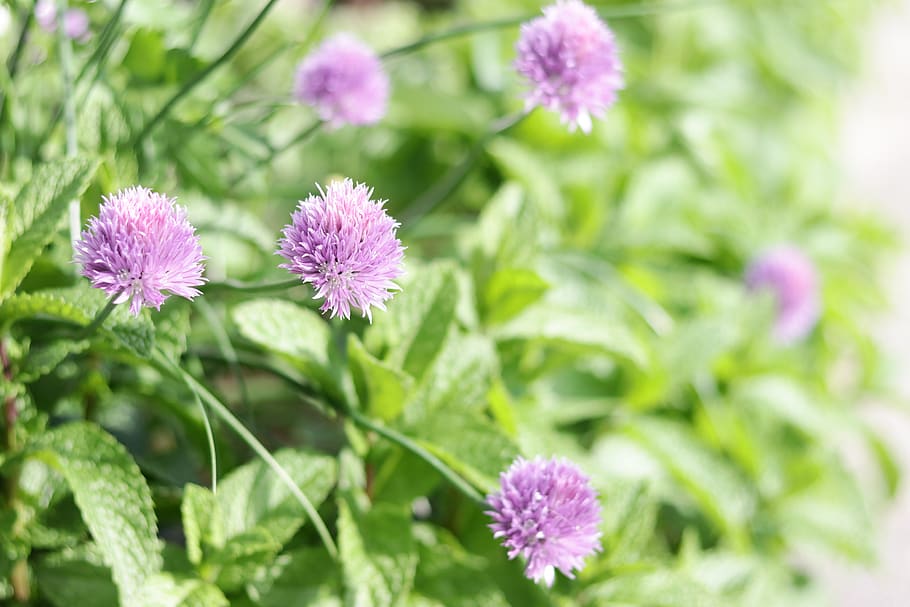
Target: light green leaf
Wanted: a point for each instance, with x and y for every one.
(241, 558)
(719, 488)
(80, 304)
(203, 524)
(40, 208)
(418, 319)
(301, 578)
(253, 496)
(509, 291)
(298, 334)
(382, 388)
(468, 442)
(166, 590)
(378, 556)
(666, 588)
(112, 496)
(76, 577)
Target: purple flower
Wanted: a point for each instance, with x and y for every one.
(76, 24)
(547, 512)
(46, 15)
(344, 244)
(139, 246)
(791, 277)
(344, 80)
(570, 59)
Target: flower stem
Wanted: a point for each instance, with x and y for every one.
(195, 81)
(245, 287)
(226, 416)
(403, 441)
(65, 49)
(89, 329)
(209, 436)
(454, 177)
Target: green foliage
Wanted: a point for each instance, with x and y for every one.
(565, 295)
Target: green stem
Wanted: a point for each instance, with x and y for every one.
(276, 152)
(403, 441)
(209, 436)
(89, 329)
(195, 81)
(245, 287)
(204, 12)
(105, 42)
(227, 417)
(65, 47)
(455, 176)
(12, 65)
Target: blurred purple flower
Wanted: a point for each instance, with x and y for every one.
(344, 80)
(792, 279)
(571, 61)
(139, 246)
(75, 21)
(46, 15)
(76, 24)
(344, 244)
(547, 512)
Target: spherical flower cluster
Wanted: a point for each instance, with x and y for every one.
(344, 244)
(570, 60)
(141, 246)
(75, 21)
(344, 80)
(547, 512)
(791, 277)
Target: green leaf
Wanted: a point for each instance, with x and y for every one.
(381, 387)
(166, 590)
(298, 334)
(727, 498)
(203, 524)
(241, 558)
(419, 319)
(76, 577)
(578, 327)
(458, 379)
(468, 442)
(112, 496)
(301, 578)
(630, 515)
(40, 208)
(509, 291)
(378, 555)
(80, 304)
(253, 496)
(43, 359)
(664, 588)
(448, 576)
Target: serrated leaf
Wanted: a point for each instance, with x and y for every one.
(253, 496)
(241, 557)
(468, 442)
(458, 379)
(76, 577)
(509, 291)
(40, 208)
(447, 576)
(112, 496)
(726, 497)
(378, 556)
(301, 578)
(298, 334)
(43, 359)
(166, 590)
(419, 319)
(382, 388)
(80, 304)
(203, 524)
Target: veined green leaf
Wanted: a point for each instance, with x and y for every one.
(112, 496)
(40, 208)
(381, 387)
(166, 590)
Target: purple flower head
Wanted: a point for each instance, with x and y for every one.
(46, 15)
(139, 246)
(76, 24)
(570, 59)
(792, 279)
(547, 512)
(344, 244)
(344, 80)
